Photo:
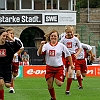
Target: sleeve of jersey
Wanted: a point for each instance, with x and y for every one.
(78, 43)
(22, 45)
(86, 46)
(66, 52)
(44, 49)
(20, 42)
(17, 45)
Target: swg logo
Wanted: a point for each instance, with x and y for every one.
(51, 18)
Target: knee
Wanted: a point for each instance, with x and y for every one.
(50, 85)
(1, 84)
(15, 74)
(59, 83)
(7, 85)
(84, 74)
(70, 74)
(78, 73)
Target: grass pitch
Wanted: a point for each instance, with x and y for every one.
(36, 89)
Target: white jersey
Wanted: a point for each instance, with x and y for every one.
(71, 44)
(16, 59)
(53, 54)
(85, 47)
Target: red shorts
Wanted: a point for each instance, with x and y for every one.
(82, 65)
(56, 72)
(15, 67)
(74, 61)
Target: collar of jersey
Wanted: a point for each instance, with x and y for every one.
(53, 45)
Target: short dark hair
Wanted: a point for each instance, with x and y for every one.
(2, 30)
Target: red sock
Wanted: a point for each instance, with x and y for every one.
(52, 93)
(12, 83)
(1, 94)
(69, 81)
(79, 80)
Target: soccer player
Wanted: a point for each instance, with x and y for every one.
(7, 50)
(53, 51)
(82, 59)
(15, 62)
(70, 42)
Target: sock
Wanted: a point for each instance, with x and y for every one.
(81, 77)
(79, 80)
(14, 78)
(69, 81)
(52, 93)
(12, 84)
(1, 94)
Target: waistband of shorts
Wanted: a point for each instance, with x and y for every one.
(80, 59)
(55, 66)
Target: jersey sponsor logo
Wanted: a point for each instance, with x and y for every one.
(51, 52)
(69, 44)
(51, 18)
(2, 52)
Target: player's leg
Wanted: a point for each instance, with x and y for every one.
(78, 74)
(1, 89)
(15, 66)
(51, 88)
(78, 66)
(12, 86)
(50, 79)
(84, 69)
(74, 75)
(7, 78)
(69, 80)
(60, 75)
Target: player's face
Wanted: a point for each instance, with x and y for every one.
(54, 37)
(69, 33)
(3, 37)
(25, 53)
(11, 33)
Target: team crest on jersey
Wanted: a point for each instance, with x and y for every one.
(2, 52)
(51, 52)
(69, 44)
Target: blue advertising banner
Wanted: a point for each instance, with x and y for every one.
(20, 71)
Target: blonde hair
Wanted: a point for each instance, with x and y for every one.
(10, 29)
(69, 28)
(47, 36)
